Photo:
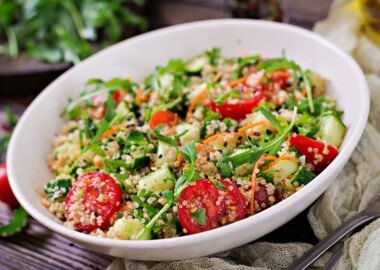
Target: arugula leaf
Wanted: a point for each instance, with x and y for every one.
(11, 117)
(218, 184)
(137, 137)
(272, 119)
(200, 216)
(19, 219)
(214, 55)
(252, 155)
(189, 152)
(163, 138)
(168, 196)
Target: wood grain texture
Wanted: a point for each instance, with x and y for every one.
(36, 247)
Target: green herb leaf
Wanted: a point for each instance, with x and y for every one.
(168, 196)
(200, 216)
(58, 189)
(218, 184)
(19, 219)
(272, 119)
(189, 153)
(163, 138)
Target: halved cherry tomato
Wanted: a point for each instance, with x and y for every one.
(98, 100)
(280, 77)
(242, 106)
(6, 194)
(221, 206)
(163, 118)
(262, 197)
(317, 153)
(93, 194)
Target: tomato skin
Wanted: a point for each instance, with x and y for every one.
(240, 109)
(98, 100)
(163, 118)
(93, 186)
(321, 158)
(222, 206)
(6, 194)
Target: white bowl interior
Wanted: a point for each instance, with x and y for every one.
(137, 57)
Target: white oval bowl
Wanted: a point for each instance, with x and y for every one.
(137, 57)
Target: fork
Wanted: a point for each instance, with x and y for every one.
(370, 213)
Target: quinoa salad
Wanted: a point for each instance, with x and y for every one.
(199, 144)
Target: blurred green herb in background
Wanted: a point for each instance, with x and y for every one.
(63, 30)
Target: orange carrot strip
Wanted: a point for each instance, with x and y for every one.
(201, 95)
(139, 96)
(125, 207)
(236, 82)
(280, 73)
(304, 92)
(299, 188)
(252, 126)
(187, 165)
(253, 180)
(282, 157)
(108, 133)
(64, 156)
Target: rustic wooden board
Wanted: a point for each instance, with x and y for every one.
(36, 247)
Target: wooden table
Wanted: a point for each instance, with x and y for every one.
(36, 247)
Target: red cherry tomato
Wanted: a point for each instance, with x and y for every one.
(98, 100)
(262, 197)
(280, 77)
(6, 194)
(93, 194)
(163, 118)
(222, 207)
(317, 153)
(242, 107)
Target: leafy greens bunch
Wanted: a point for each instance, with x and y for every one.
(63, 30)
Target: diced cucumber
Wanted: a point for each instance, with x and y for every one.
(128, 229)
(286, 169)
(158, 181)
(303, 176)
(196, 90)
(331, 130)
(123, 110)
(166, 82)
(193, 132)
(140, 160)
(197, 63)
(258, 117)
(166, 154)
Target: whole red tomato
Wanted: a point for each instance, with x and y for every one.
(6, 194)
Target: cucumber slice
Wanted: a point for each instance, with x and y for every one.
(331, 130)
(286, 169)
(193, 132)
(166, 154)
(258, 117)
(303, 176)
(128, 229)
(158, 181)
(197, 63)
(140, 160)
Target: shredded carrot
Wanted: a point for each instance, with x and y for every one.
(304, 92)
(252, 126)
(64, 156)
(198, 98)
(186, 166)
(236, 82)
(280, 72)
(124, 208)
(282, 157)
(299, 188)
(45, 204)
(98, 163)
(44, 195)
(253, 180)
(139, 96)
(109, 133)
(179, 158)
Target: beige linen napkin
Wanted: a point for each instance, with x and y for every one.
(350, 192)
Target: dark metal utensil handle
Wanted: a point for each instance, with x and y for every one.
(315, 252)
